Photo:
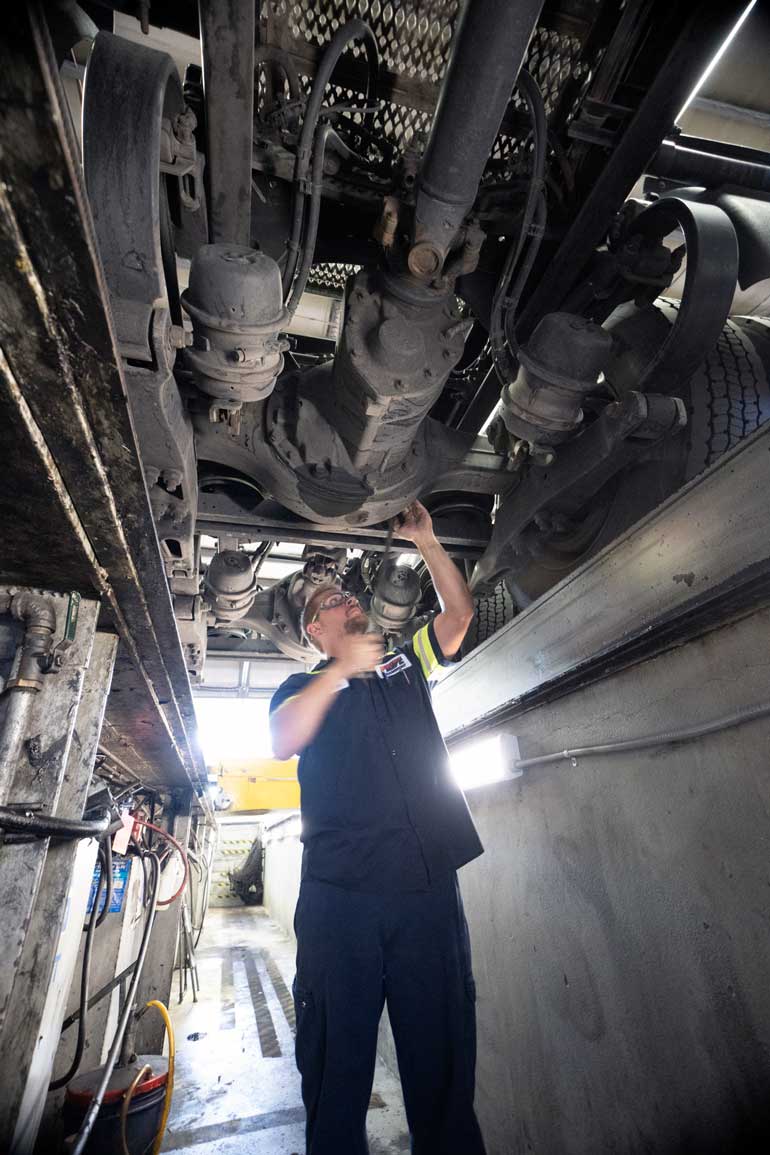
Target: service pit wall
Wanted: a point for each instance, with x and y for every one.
(619, 918)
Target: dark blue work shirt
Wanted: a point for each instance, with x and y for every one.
(380, 808)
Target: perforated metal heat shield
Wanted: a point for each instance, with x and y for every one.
(414, 39)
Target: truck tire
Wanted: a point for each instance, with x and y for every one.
(491, 613)
(729, 393)
(728, 398)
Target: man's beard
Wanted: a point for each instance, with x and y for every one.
(357, 624)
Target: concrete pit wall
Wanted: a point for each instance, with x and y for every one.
(283, 861)
(619, 919)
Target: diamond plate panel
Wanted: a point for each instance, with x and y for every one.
(331, 277)
(414, 37)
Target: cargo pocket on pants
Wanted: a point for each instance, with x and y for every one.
(306, 1042)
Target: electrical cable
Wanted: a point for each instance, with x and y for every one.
(204, 903)
(89, 1118)
(107, 989)
(170, 1078)
(530, 227)
(85, 978)
(353, 30)
(127, 1103)
(169, 838)
(665, 738)
(107, 872)
(46, 826)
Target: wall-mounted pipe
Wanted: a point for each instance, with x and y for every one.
(647, 741)
(489, 48)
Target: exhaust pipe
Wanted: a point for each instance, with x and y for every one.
(489, 48)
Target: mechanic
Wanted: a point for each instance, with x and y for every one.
(384, 826)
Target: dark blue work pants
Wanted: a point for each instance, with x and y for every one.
(354, 952)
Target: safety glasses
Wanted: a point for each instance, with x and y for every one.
(335, 602)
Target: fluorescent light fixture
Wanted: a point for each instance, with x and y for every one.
(716, 58)
(484, 760)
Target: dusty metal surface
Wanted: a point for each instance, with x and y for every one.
(670, 577)
(61, 376)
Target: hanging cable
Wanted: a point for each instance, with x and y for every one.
(107, 872)
(85, 978)
(89, 1118)
(532, 228)
(353, 30)
(169, 838)
(665, 738)
(316, 187)
(205, 900)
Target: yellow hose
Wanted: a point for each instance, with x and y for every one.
(170, 1080)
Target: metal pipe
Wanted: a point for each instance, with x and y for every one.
(489, 47)
(675, 162)
(227, 44)
(14, 730)
(39, 617)
(665, 738)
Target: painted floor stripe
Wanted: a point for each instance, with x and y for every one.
(268, 1040)
(227, 1012)
(284, 994)
(181, 1140)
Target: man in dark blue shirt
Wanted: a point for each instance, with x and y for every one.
(385, 827)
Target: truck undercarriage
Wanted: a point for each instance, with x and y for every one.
(362, 254)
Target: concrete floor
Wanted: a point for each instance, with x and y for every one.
(237, 1088)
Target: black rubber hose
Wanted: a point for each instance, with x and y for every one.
(354, 30)
(501, 302)
(46, 826)
(81, 1139)
(308, 248)
(85, 978)
(537, 230)
(107, 872)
